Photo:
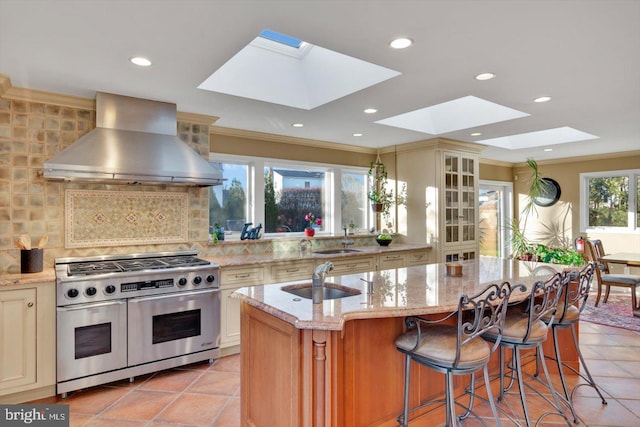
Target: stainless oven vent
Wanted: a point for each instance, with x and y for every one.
(135, 142)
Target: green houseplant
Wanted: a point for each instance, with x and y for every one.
(380, 195)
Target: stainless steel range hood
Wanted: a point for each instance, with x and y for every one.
(135, 142)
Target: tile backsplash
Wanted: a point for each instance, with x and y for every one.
(32, 132)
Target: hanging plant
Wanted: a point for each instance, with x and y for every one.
(380, 195)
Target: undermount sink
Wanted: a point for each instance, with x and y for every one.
(336, 251)
(330, 291)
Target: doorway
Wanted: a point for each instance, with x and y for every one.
(495, 212)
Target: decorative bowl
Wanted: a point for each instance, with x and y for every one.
(384, 242)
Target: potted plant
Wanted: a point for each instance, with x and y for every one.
(521, 247)
(384, 239)
(309, 231)
(380, 195)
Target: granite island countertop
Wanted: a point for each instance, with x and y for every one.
(417, 290)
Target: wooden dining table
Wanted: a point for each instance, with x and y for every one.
(631, 259)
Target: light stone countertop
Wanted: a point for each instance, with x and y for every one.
(245, 260)
(418, 290)
(47, 275)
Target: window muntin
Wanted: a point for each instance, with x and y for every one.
(609, 201)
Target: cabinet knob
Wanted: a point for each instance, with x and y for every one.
(30, 304)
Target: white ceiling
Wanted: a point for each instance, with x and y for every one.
(585, 54)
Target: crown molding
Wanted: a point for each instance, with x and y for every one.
(202, 119)
(591, 157)
(8, 91)
(443, 143)
(496, 163)
(240, 133)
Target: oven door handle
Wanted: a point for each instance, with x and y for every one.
(173, 295)
(90, 305)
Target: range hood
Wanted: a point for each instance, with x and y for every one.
(135, 142)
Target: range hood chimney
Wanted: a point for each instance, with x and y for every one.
(135, 142)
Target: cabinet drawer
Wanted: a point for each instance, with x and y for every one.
(242, 276)
(418, 258)
(353, 265)
(291, 271)
(393, 260)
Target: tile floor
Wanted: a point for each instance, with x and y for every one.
(208, 395)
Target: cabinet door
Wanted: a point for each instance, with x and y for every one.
(17, 338)
(460, 189)
(230, 319)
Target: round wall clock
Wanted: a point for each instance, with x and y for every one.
(549, 194)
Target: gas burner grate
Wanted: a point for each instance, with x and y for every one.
(141, 264)
(88, 268)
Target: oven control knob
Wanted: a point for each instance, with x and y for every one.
(197, 280)
(211, 278)
(182, 281)
(72, 293)
(110, 289)
(91, 291)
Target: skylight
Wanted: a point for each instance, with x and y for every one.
(285, 70)
(561, 135)
(461, 113)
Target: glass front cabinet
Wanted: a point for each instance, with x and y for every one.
(460, 206)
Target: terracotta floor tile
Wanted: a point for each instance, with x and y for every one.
(171, 380)
(140, 405)
(93, 400)
(78, 420)
(217, 383)
(193, 409)
(229, 416)
(110, 422)
(593, 413)
(229, 364)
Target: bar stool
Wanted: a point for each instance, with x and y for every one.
(455, 349)
(525, 328)
(572, 302)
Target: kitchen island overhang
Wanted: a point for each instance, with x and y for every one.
(336, 362)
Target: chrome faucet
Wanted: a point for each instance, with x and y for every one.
(317, 281)
(346, 241)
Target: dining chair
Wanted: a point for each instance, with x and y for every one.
(605, 278)
(455, 348)
(525, 328)
(573, 298)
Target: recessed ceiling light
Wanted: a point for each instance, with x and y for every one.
(370, 110)
(139, 60)
(548, 149)
(485, 76)
(476, 134)
(297, 125)
(357, 134)
(401, 43)
(542, 99)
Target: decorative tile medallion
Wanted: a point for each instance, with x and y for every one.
(117, 218)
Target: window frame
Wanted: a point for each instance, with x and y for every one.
(633, 175)
(255, 191)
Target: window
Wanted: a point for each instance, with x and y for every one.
(609, 201)
(228, 203)
(355, 210)
(278, 195)
(291, 194)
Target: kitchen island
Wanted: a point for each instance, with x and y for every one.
(335, 363)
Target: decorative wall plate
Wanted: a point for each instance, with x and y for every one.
(550, 193)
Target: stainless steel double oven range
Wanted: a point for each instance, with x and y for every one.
(128, 315)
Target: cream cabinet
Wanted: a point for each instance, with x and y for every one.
(459, 206)
(27, 342)
(230, 319)
(442, 195)
(292, 270)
